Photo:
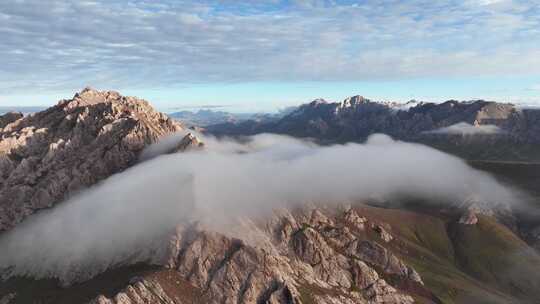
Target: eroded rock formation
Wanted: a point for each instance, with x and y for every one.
(300, 256)
(46, 156)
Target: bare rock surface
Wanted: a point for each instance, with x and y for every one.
(8, 118)
(189, 141)
(301, 256)
(383, 233)
(352, 217)
(49, 155)
(376, 254)
(143, 291)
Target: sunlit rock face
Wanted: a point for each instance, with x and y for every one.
(189, 142)
(46, 156)
(290, 256)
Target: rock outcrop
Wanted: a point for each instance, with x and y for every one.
(472, 206)
(8, 118)
(46, 156)
(383, 233)
(290, 262)
(301, 255)
(376, 254)
(142, 291)
(189, 141)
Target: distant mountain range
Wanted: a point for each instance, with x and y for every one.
(205, 117)
(474, 129)
(24, 110)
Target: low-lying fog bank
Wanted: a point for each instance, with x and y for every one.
(125, 218)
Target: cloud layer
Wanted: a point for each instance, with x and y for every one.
(127, 217)
(54, 44)
(464, 128)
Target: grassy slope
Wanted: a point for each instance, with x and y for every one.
(484, 148)
(493, 254)
(31, 291)
(48, 291)
(463, 264)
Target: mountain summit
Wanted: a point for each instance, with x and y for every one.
(46, 156)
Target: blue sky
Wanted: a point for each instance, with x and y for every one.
(268, 54)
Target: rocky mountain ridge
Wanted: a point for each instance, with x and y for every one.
(448, 125)
(202, 117)
(303, 252)
(49, 155)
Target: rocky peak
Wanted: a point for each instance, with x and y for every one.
(316, 107)
(405, 106)
(89, 96)
(100, 131)
(318, 101)
(116, 103)
(450, 103)
(354, 101)
(189, 141)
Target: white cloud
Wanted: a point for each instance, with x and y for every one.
(487, 2)
(125, 218)
(53, 44)
(190, 19)
(464, 128)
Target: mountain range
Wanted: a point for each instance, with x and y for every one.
(396, 249)
(24, 110)
(473, 129)
(202, 118)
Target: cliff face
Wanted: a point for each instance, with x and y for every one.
(47, 156)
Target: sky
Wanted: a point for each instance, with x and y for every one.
(269, 54)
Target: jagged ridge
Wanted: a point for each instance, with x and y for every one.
(46, 156)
